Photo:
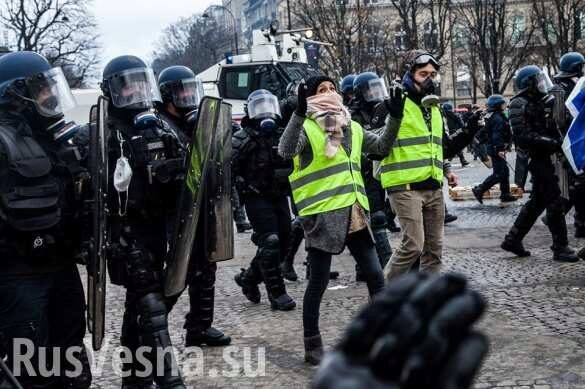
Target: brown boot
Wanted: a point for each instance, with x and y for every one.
(314, 350)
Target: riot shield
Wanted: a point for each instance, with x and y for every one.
(559, 110)
(218, 213)
(191, 195)
(96, 267)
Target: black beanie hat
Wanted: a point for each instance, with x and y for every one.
(313, 83)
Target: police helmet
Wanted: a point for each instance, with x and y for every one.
(370, 88)
(571, 65)
(447, 107)
(27, 78)
(346, 85)
(531, 79)
(262, 104)
(495, 101)
(180, 86)
(130, 84)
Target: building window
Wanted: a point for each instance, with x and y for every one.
(459, 39)
(463, 83)
(518, 27)
(400, 38)
(430, 35)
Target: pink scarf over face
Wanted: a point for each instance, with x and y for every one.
(329, 112)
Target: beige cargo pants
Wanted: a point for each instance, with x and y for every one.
(422, 215)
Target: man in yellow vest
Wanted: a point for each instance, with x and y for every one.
(413, 171)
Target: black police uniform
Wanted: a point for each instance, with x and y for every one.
(139, 237)
(41, 210)
(262, 182)
(374, 190)
(454, 123)
(499, 138)
(576, 183)
(201, 272)
(535, 131)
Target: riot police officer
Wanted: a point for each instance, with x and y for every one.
(536, 132)
(42, 181)
(261, 179)
(369, 92)
(181, 93)
(148, 163)
(570, 70)
(454, 123)
(346, 88)
(499, 137)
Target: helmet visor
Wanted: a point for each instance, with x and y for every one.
(50, 92)
(376, 91)
(134, 88)
(543, 82)
(263, 106)
(187, 93)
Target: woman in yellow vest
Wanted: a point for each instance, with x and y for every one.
(413, 171)
(328, 191)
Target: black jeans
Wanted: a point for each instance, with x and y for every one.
(500, 175)
(46, 309)
(363, 251)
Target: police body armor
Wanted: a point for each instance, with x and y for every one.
(266, 172)
(38, 192)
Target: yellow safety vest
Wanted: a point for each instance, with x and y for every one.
(417, 153)
(328, 184)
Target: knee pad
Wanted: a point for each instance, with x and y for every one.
(378, 219)
(142, 274)
(271, 242)
(556, 207)
(152, 310)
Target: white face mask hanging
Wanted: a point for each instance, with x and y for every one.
(122, 178)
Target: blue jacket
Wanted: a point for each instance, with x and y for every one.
(498, 131)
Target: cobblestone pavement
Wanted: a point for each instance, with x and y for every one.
(535, 320)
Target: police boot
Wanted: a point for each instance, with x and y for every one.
(246, 281)
(154, 332)
(513, 244)
(478, 193)
(210, 337)
(243, 227)
(564, 254)
(268, 255)
(581, 253)
(507, 198)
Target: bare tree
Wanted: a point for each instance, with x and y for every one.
(195, 42)
(341, 23)
(559, 27)
(503, 40)
(435, 18)
(64, 31)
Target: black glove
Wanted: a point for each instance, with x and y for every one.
(416, 334)
(172, 145)
(301, 100)
(473, 122)
(395, 103)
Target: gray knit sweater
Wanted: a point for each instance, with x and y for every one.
(328, 231)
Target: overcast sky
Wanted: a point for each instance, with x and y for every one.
(133, 26)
